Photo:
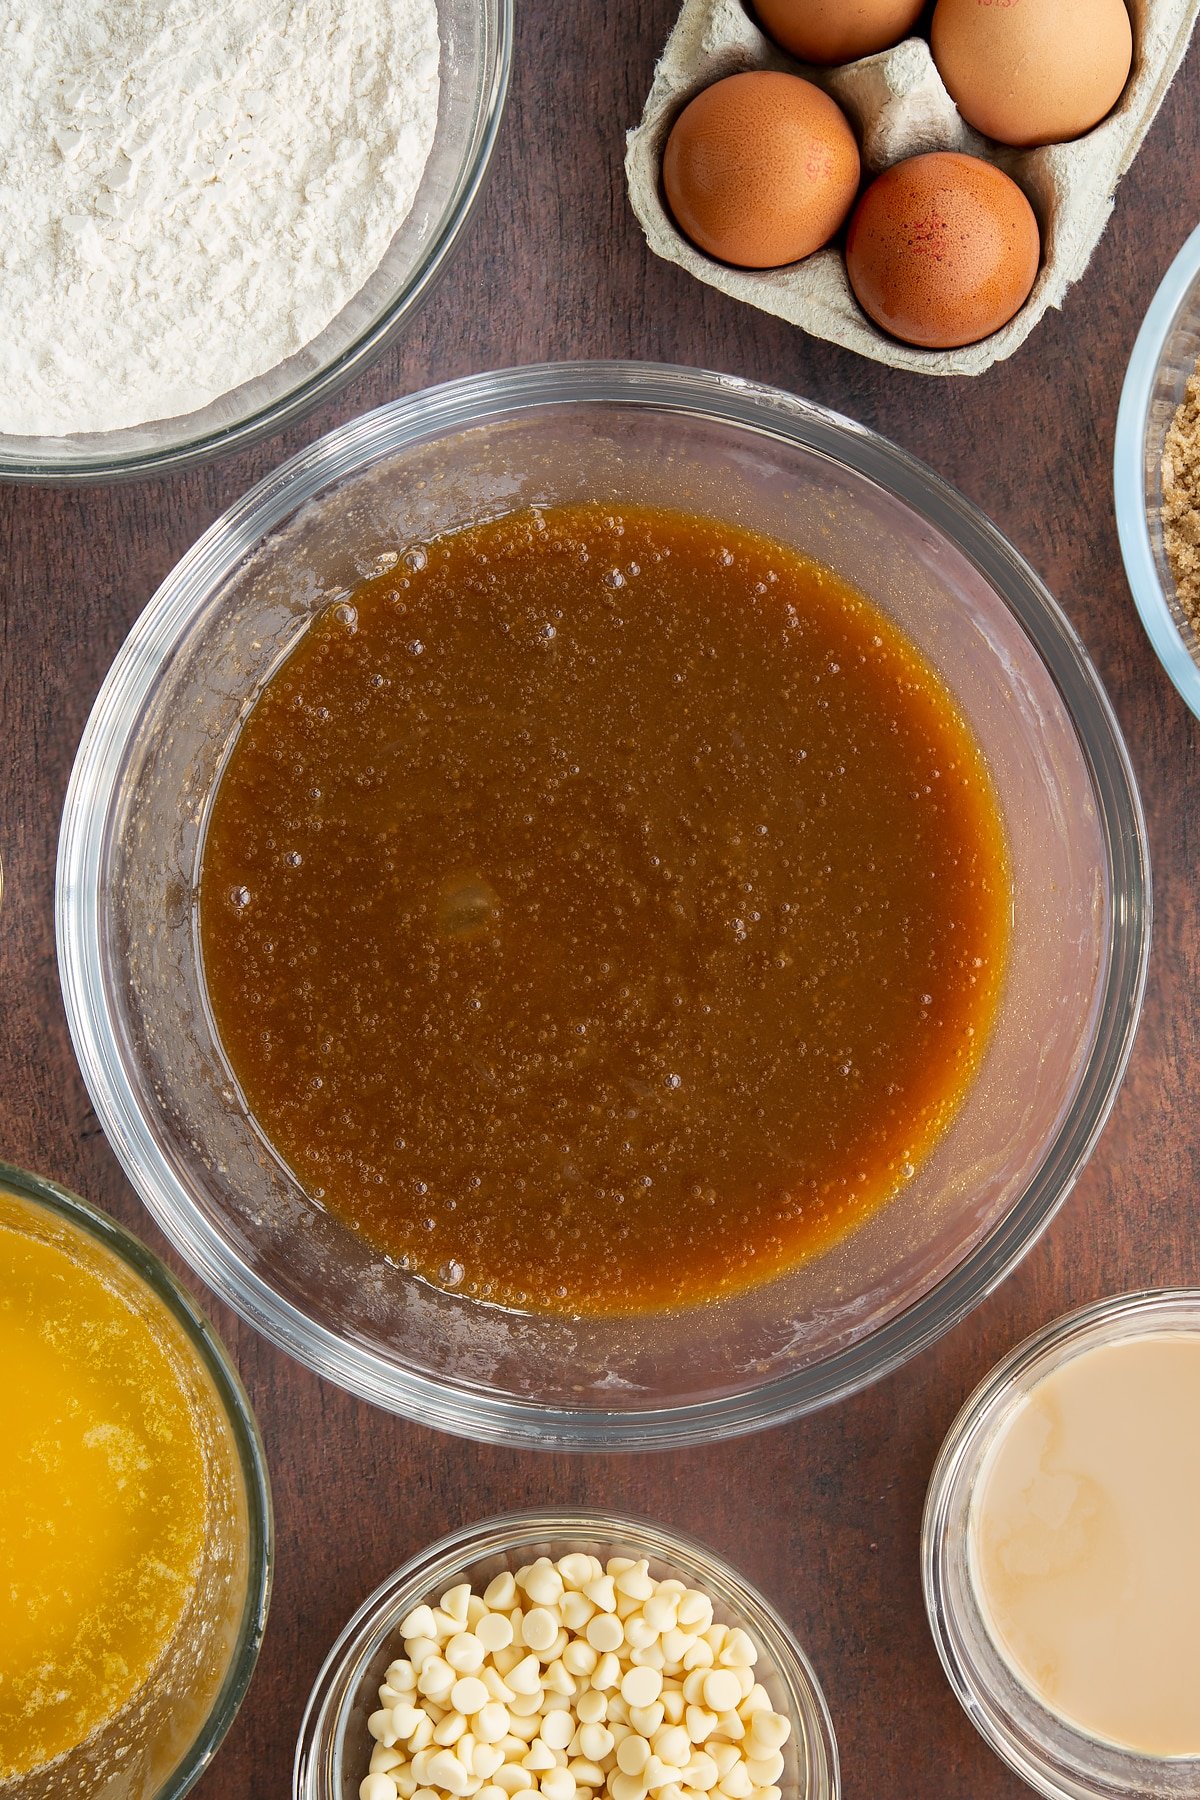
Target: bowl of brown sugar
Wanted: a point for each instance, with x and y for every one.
(602, 905)
(1156, 472)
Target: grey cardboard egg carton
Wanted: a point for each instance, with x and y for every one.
(899, 107)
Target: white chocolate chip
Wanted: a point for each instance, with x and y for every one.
(423, 1734)
(633, 1753)
(418, 1624)
(575, 1609)
(700, 1723)
(493, 1631)
(544, 1584)
(468, 1695)
(595, 1742)
(464, 1652)
(383, 1760)
(602, 1593)
(447, 1772)
(526, 1678)
(635, 1582)
(501, 1593)
(579, 1658)
(574, 1681)
(641, 1687)
(672, 1745)
(377, 1786)
(558, 1728)
(575, 1569)
(456, 1601)
(491, 1723)
(738, 1652)
(695, 1610)
(661, 1611)
(702, 1772)
(722, 1690)
(511, 1778)
(647, 1719)
(605, 1633)
(539, 1628)
(764, 1770)
(558, 1680)
(768, 1729)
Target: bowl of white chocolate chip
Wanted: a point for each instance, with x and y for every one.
(579, 1656)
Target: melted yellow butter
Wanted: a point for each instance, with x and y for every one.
(102, 1487)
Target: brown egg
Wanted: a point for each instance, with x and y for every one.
(837, 31)
(761, 169)
(1033, 71)
(942, 250)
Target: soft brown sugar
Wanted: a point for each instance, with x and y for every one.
(1181, 501)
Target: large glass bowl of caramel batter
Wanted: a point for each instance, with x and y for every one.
(351, 506)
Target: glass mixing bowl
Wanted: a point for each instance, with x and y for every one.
(334, 1746)
(153, 751)
(1165, 354)
(166, 1735)
(476, 40)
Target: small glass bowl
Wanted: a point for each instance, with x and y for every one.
(122, 1759)
(1164, 356)
(1055, 1758)
(476, 56)
(334, 1746)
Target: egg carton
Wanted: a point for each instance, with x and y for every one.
(899, 107)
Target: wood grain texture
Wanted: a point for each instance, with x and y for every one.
(823, 1514)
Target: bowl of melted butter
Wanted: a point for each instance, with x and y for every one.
(135, 1513)
(602, 905)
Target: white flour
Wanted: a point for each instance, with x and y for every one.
(190, 192)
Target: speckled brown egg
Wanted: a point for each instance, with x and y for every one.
(761, 169)
(1033, 71)
(837, 31)
(942, 250)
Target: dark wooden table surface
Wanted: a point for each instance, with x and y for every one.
(823, 1514)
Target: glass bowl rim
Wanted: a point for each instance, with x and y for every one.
(478, 400)
(1129, 489)
(1134, 1312)
(506, 1532)
(358, 355)
(201, 1335)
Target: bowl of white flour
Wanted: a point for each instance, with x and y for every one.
(212, 216)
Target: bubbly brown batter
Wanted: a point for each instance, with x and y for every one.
(603, 910)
